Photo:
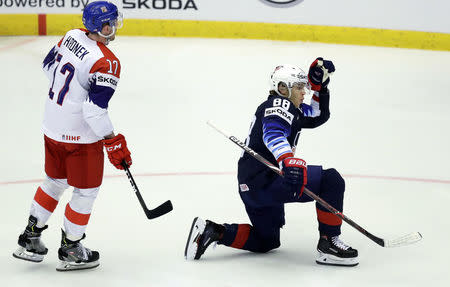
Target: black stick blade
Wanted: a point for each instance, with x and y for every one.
(160, 210)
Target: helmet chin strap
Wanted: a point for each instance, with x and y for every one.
(107, 37)
(290, 93)
(289, 96)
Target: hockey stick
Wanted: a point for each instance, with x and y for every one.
(150, 213)
(400, 241)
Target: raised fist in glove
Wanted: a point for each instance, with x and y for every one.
(294, 174)
(117, 151)
(319, 74)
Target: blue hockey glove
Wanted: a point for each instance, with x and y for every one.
(319, 74)
(294, 172)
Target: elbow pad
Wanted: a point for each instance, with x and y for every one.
(97, 118)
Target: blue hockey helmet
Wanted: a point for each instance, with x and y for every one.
(98, 13)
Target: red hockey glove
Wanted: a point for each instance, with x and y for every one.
(117, 151)
(319, 74)
(295, 176)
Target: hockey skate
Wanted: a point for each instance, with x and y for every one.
(332, 251)
(74, 256)
(201, 235)
(31, 247)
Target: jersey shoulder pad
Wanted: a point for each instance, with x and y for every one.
(106, 72)
(108, 64)
(279, 107)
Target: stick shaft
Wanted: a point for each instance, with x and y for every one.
(150, 213)
(135, 188)
(311, 194)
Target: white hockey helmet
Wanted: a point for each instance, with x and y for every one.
(288, 75)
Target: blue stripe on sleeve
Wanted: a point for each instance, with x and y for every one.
(307, 110)
(100, 95)
(50, 58)
(275, 133)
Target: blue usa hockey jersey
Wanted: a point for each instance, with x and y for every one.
(274, 133)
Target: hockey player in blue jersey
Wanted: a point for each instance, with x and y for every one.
(274, 134)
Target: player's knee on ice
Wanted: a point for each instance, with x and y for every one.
(267, 245)
(260, 238)
(262, 244)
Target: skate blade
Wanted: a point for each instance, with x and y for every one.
(197, 228)
(328, 259)
(71, 266)
(22, 253)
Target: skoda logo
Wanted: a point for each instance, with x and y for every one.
(282, 3)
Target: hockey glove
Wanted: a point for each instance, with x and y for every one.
(319, 74)
(294, 172)
(117, 151)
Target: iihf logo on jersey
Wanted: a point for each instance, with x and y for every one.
(282, 3)
(70, 138)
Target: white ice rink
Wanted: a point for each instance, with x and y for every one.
(388, 135)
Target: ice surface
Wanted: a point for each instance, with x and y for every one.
(389, 119)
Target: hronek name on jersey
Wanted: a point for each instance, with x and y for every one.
(75, 47)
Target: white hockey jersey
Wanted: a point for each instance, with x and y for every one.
(83, 76)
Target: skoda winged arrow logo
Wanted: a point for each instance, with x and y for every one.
(282, 3)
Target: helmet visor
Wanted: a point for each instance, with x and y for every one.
(114, 24)
(118, 22)
(302, 86)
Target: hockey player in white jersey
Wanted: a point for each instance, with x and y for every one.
(83, 76)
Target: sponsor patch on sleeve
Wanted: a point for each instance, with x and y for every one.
(243, 187)
(280, 112)
(106, 80)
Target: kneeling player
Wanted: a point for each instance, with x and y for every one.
(274, 135)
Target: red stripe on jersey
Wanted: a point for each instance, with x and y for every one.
(75, 217)
(42, 24)
(316, 98)
(286, 155)
(328, 218)
(60, 42)
(241, 236)
(100, 66)
(109, 64)
(45, 200)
